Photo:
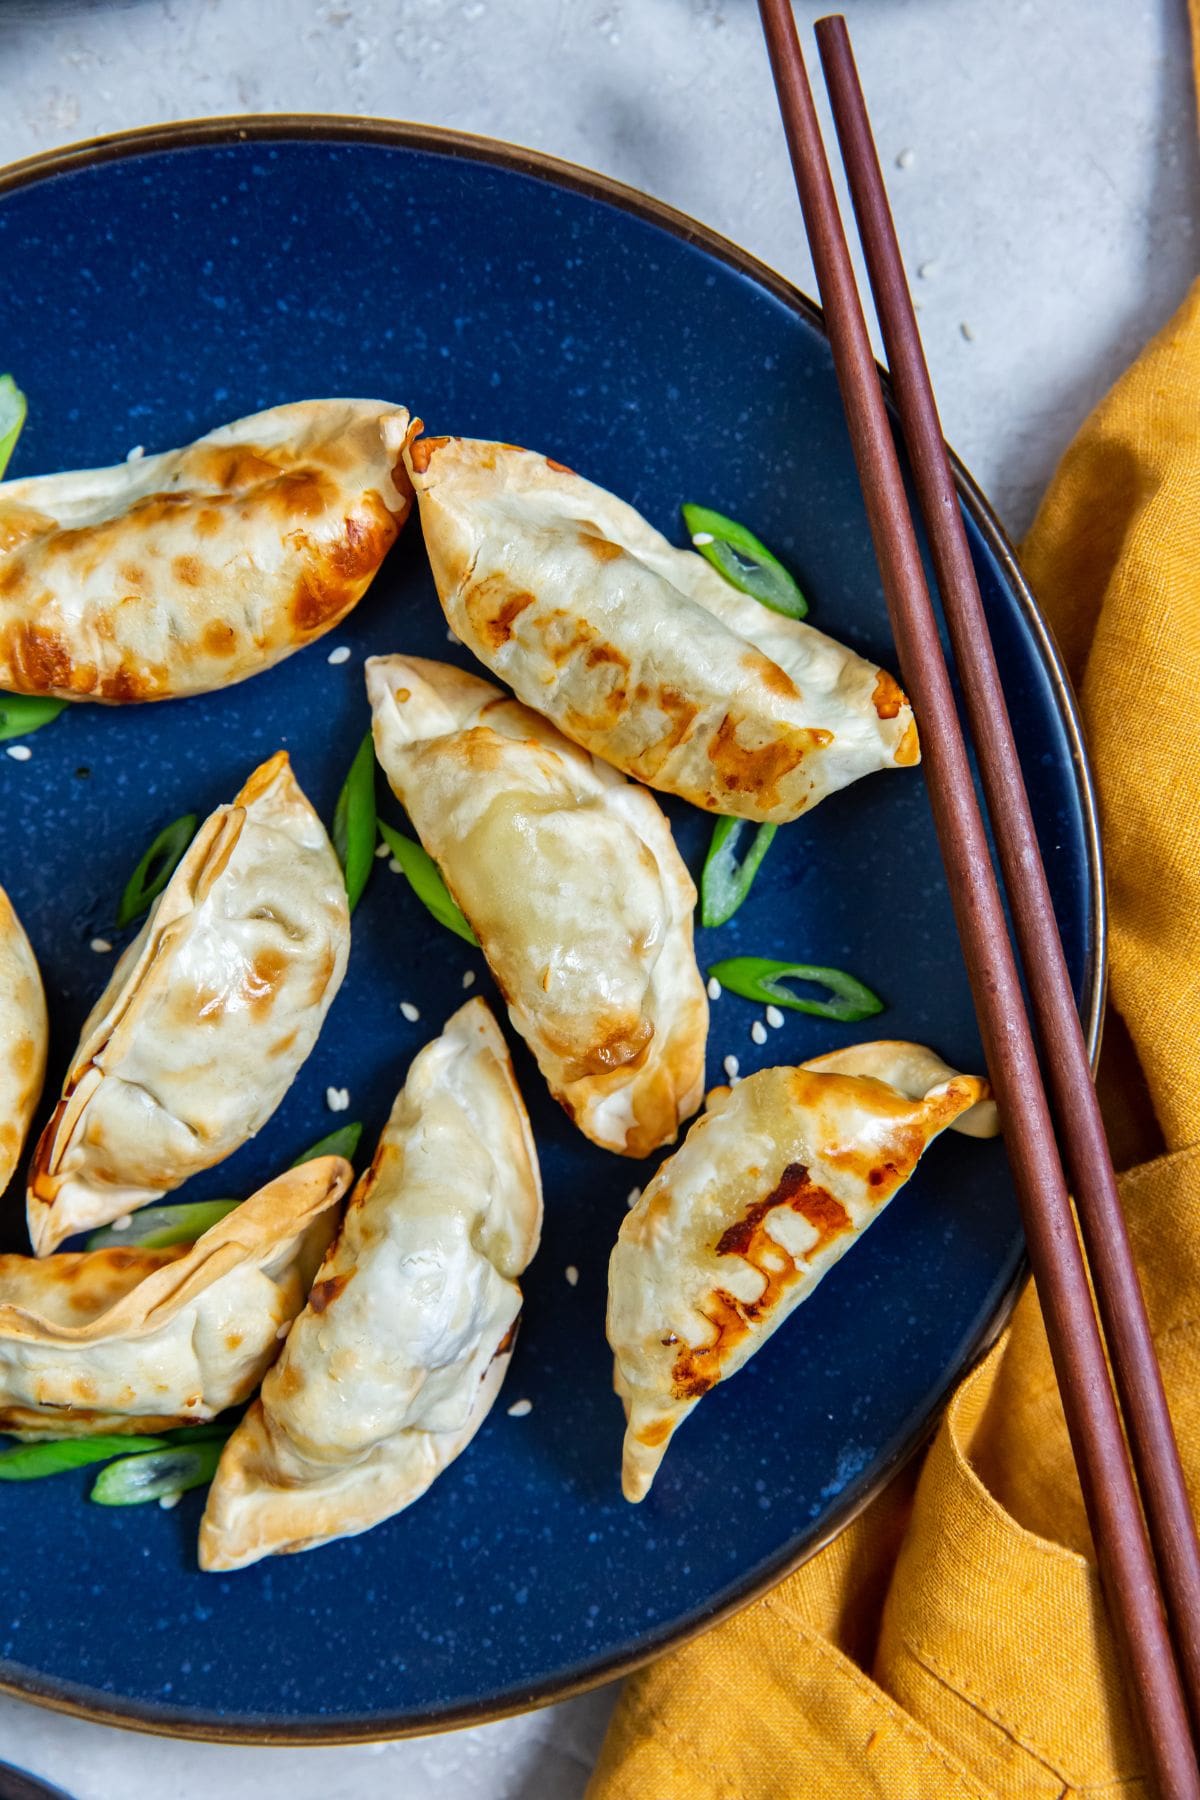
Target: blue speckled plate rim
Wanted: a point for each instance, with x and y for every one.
(89, 1703)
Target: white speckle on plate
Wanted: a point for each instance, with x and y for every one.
(731, 1066)
(136, 454)
(967, 332)
(395, 867)
(337, 1099)
(758, 1032)
(714, 988)
(411, 1012)
(632, 1197)
(167, 1501)
(121, 1224)
(572, 1275)
(774, 1018)
(101, 946)
(340, 655)
(520, 1409)
(927, 270)
(20, 752)
(700, 538)
(381, 850)
(468, 978)
(906, 159)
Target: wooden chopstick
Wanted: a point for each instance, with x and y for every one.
(1076, 1107)
(1106, 1478)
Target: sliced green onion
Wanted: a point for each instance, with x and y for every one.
(759, 978)
(725, 882)
(159, 862)
(158, 1227)
(425, 879)
(744, 560)
(22, 713)
(354, 821)
(12, 417)
(136, 1479)
(30, 1462)
(343, 1142)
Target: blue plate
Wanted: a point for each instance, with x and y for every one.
(157, 285)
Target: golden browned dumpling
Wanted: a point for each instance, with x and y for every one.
(576, 892)
(22, 1038)
(142, 1340)
(192, 570)
(640, 652)
(208, 1017)
(781, 1176)
(393, 1365)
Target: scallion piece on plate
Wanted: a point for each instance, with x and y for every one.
(342, 1142)
(725, 882)
(12, 417)
(136, 1479)
(158, 1227)
(159, 862)
(354, 822)
(759, 978)
(22, 713)
(743, 560)
(425, 879)
(31, 1462)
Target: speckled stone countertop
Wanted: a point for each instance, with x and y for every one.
(1042, 161)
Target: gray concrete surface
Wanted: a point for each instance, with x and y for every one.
(1042, 160)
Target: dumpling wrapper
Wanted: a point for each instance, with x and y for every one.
(393, 1365)
(23, 1034)
(180, 573)
(640, 652)
(571, 880)
(771, 1187)
(208, 1016)
(143, 1340)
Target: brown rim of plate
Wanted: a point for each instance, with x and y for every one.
(87, 1703)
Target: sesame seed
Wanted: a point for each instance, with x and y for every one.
(340, 655)
(714, 988)
(167, 1501)
(572, 1275)
(452, 637)
(121, 1224)
(520, 1409)
(20, 752)
(136, 454)
(337, 1099)
(927, 270)
(101, 946)
(967, 332)
(758, 1032)
(774, 1018)
(468, 978)
(633, 1196)
(731, 1066)
(283, 1330)
(381, 850)
(410, 1012)
(906, 159)
(394, 867)
(700, 538)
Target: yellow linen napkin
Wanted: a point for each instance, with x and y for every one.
(952, 1643)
